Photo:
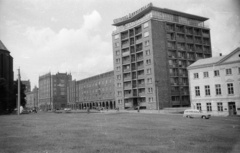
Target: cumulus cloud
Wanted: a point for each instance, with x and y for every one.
(80, 51)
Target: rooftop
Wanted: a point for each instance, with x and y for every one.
(2, 47)
(144, 10)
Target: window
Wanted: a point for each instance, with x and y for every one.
(118, 52)
(195, 75)
(146, 34)
(230, 88)
(147, 43)
(205, 74)
(116, 44)
(147, 52)
(148, 71)
(207, 90)
(145, 25)
(149, 80)
(150, 99)
(116, 36)
(148, 61)
(228, 71)
(119, 84)
(118, 68)
(220, 107)
(216, 73)
(209, 107)
(199, 107)
(197, 91)
(119, 77)
(119, 93)
(150, 90)
(118, 60)
(218, 89)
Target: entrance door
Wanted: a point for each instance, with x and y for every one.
(232, 108)
(135, 102)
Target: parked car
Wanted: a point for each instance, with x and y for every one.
(67, 109)
(195, 113)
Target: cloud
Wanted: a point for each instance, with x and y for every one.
(71, 50)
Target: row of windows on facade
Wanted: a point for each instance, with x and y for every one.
(103, 82)
(209, 106)
(127, 67)
(150, 100)
(118, 52)
(218, 90)
(146, 43)
(145, 25)
(141, 72)
(216, 73)
(148, 81)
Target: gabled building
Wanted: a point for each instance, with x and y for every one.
(215, 84)
(152, 48)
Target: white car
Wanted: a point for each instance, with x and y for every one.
(195, 113)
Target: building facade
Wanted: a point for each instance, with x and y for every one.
(152, 48)
(53, 90)
(215, 84)
(6, 78)
(93, 92)
(27, 84)
(32, 98)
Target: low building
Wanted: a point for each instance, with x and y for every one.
(95, 91)
(215, 84)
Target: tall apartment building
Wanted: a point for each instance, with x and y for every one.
(53, 90)
(152, 48)
(6, 78)
(95, 91)
(215, 84)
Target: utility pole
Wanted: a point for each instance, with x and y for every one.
(18, 104)
(157, 101)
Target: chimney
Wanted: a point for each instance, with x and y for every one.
(220, 54)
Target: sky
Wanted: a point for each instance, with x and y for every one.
(75, 36)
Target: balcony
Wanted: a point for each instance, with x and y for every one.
(139, 67)
(139, 58)
(184, 92)
(124, 36)
(125, 45)
(180, 48)
(189, 40)
(139, 49)
(126, 61)
(141, 85)
(126, 53)
(127, 87)
(127, 78)
(173, 74)
(141, 93)
(140, 76)
(126, 70)
(206, 35)
(180, 39)
(175, 92)
(127, 95)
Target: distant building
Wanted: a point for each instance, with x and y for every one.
(32, 98)
(53, 90)
(27, 84)
(152, 48)
(6, 78)
(215, 84)
(95, 91)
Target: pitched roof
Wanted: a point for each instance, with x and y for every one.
(2, 47)
(211, 61)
